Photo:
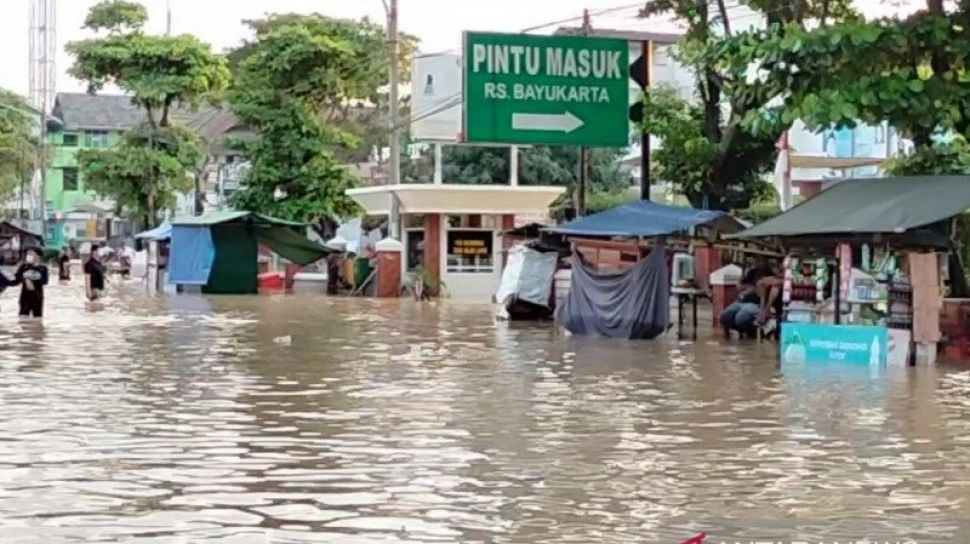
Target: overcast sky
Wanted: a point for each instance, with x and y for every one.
(438, 23)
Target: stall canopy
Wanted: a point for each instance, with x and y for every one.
(161, 232)
(870, 206)
(641, 219)
(219, 250)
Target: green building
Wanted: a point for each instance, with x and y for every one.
(83, 121)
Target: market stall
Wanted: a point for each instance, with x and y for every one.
(627, 263)
(218, 251)
(868, 262)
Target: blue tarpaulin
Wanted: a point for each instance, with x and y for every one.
(193, 253)
(641, 218)
(161, 232)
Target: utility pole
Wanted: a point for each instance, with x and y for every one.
(43, 75)
(583, 151)
(168, 17)
(394, 218)
(647, 52)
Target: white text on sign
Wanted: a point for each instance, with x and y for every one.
(548, 93)
(559, 62)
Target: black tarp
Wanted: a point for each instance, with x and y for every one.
(633, 304)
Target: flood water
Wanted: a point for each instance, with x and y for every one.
(301, 419)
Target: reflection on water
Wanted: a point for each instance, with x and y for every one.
(181, 420)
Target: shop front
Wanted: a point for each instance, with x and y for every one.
(869, 264)
(452, 234)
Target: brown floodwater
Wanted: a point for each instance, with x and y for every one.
(303, 419)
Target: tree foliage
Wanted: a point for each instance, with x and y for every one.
(145, 172)
(284, 88)
(912, 73)
(116, 16)
(18, 142)
(158, 71)
(360, 105)
(936, 160)
(688, 156)
(725, 160)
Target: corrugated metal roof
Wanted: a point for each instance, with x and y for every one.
(80, 111)
(878, 205)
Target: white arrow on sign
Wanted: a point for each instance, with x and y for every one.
(561, 122)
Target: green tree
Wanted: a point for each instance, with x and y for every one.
(912, 72)
(18, 143)
(360, 107)
(116, 16)
(299, 85)
(151, 165)
(724, 161)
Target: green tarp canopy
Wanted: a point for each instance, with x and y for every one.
(290, 245)
(279, 235)
(891, 206)
(214, 218)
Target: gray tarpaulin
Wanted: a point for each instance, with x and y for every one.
(634, 303)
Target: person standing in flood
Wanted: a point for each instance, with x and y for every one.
(94, 274)
(32, 277)
(64, 266)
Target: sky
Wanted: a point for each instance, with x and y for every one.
(438, 23)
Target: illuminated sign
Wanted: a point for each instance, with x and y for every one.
(470, 243)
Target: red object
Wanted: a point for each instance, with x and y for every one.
(388, 274)
(699, 539)
(432, 247)
(706, 260)
(271, 281)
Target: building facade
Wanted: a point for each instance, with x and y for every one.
(81, 121)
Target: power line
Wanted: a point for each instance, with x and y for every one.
(455, 98)
(579, 18)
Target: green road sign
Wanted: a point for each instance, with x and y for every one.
(556, 90)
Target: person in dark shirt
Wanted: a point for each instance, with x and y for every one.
(94, 275)
(64, 266)
(742, 313)
(32, 277)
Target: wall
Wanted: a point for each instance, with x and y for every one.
(59, 200)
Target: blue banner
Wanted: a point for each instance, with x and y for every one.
(816, 343)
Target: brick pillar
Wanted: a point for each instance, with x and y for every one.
(706, 260)
(432, 246)
(475, 221)
(808, 189)
(389, 254)
(291, 271)
(508, 223)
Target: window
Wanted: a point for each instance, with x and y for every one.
(70, 179)
(415, 248)
(97, 139)
(470, 251)
(70, 140)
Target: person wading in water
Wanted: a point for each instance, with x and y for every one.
(94, 275)
(32, 277)
(64, 266)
